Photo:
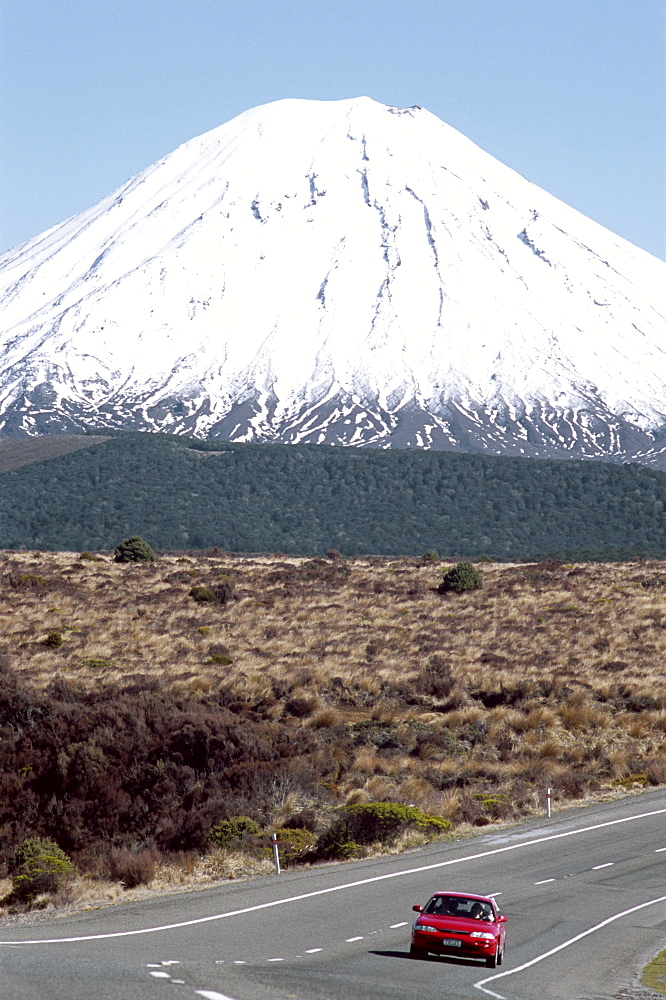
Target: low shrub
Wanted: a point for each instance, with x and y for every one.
(90, 557)
(223, 588)
(233, 831)
(430, 557)
(131, 868)
(23, 580)
(203, 595)
(38, 866)
(463, 576)
(294, 843)
(134, 549)
(375, 822)
(53, 639)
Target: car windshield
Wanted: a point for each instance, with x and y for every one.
(459, 906)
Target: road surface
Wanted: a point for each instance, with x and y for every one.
(585, 893)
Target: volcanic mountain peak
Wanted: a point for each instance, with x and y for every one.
(338, 272)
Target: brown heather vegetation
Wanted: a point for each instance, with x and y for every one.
(319, 683)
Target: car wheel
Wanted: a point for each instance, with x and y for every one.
(415, 952)
(493, 960)
(500, 956)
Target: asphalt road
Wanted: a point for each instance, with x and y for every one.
(585, 893)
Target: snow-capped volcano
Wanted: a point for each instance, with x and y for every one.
(340, 272)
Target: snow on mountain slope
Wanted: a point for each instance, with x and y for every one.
(340, 272)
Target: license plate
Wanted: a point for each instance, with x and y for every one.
(451, 942)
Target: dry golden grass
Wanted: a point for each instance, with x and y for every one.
(548, 669)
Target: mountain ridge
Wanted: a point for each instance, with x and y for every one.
(342, 273)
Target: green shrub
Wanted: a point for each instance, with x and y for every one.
(203, 595)
(223, 588)
(31, 848)
(134, 549)
(294, 843)
(38, 866)
(27, 580)
(90, 557)
(375, 822)
(53, 639)
(231, 832)
(463, 576)
(430, 557)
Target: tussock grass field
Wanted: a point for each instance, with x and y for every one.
(552, 674)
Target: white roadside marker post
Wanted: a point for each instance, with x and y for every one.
(276, 855)
(548, 803)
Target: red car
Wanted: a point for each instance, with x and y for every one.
(459, 924)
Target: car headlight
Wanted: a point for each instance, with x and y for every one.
(483, 934)
(426, 927)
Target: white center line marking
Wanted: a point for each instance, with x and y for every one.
(543, 881)
(609, 864)
(659, 850)
(240, 963)
(312, 951)
(161, 975)
(565, 944)
(491, 895)
(403, 923)
(275, 960)
(402, 873)
(349, 940)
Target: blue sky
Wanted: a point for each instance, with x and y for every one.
(571, 93)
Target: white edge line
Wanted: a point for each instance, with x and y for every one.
(338, 888)
(565, 944)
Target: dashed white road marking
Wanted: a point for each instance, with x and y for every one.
(565, 944)
(275, 960)
(237, 962)
(346, 885)
(609, 864)
(312, 951)
(544, 880)
(161, 975)
(403, 923)
(212, 995)
(349, 940)
(659, 850)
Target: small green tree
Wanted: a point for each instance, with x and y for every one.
(430, 557)
(463, 576)
(134, 549)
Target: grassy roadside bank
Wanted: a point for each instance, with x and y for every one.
(134, 717)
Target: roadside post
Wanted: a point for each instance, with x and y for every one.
(548, 803)
(276, 853)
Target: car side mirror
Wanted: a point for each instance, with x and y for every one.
(417, 908)
(502, 918)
